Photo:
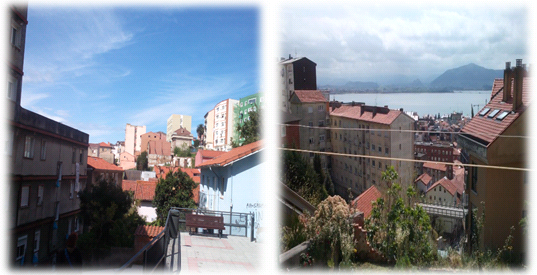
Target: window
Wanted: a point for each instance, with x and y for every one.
(320, 108)
(21, 246)
(29, 147)
(15, 36)
(321, 138)
(12, 88)
(76, 223)
(321, 123)
(73, 158)
(493, 113)
(386, 150)
(40, 190)
(71, 190)
(474, 179)
(37, 238)
(251, 101)
(310, 110)
(81, 157)
(43, 149)
(380, 149)
(372, 146)
(310, 123)
(25, 194)
(311, 140)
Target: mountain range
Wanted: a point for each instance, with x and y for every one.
(467, 77)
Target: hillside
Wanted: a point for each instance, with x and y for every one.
(467, 77)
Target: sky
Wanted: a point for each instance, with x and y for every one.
(97, 69)
(368, 42)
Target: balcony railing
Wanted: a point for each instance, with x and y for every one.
(155, 255)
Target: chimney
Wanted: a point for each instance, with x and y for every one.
(290, 56)
(518, 83)
(401, 109)
(507, 77)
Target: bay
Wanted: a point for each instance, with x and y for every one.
(422, 103)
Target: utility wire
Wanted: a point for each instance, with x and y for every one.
(402, 131)
(409, 160)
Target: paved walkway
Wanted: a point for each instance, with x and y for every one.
(202, 254)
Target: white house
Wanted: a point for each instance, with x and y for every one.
(232, 182)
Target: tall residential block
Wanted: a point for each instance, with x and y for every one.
(358, 129)
(298, 73)
(223, 125)
(176, 122)
(246, 104)
(133, 140)
(48, 168)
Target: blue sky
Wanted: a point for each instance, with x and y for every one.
(97, 69)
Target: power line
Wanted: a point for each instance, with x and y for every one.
(401, 131)
(409, 160)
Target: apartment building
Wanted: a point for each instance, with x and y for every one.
(298, 73)
(175, 122)
(208, 136)
(133, 140)
(490, 138)
(311, 107)
(157, 148)
(102, 150)
(223, 125)
(379, 132)
(245, 105)
(48, 168)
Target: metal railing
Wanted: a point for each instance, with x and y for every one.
(155, 253)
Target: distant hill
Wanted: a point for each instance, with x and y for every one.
(357, 85)
(467, 77)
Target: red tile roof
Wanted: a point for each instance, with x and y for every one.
(387, 116)
(210, 153)
(435, 166)
(425, 178)
(364, 201)
(101, 164)
(148, 230)
(234, 154)
(488, 129)
(447, 184)
(143, 190)
(182, 132)
(105, 144)
(310, 96)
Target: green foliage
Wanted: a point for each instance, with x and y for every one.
(400, 230)
(249, 130)
(300, 176)
(142, 162)
(111, 214)
(175, 190)
(331, 233)
(200, 130)
(294, 234)
(183, 151)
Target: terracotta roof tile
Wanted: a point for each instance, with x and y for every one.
(435, 166)
(234, 154)
(364, 113)
(364, 201)
(182, 132)
(310, 96)
(210, 153)
(488, 129)
(105, 144)
(148, 230)
(425, 178)
(447, 184)
(101, 164)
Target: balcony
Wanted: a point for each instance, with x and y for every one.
(173, 249)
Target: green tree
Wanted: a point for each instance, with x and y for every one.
(200, 130)
(112, 216)
(142, 162)
(175, 190)
(249, 130)
(399, 228)
(300, 176)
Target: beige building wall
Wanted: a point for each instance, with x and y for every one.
(355, 137)
(175, 122)
(133, 138)
(209, 129)
(223, 124)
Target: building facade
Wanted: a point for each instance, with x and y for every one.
(208, 135)
(297, 73)
(223, 126)
(133, 140)
(245, 105)
(484, 141)
(48, 168)
(176, 122)
(102, 150)
(369, 131)
(181, 138)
